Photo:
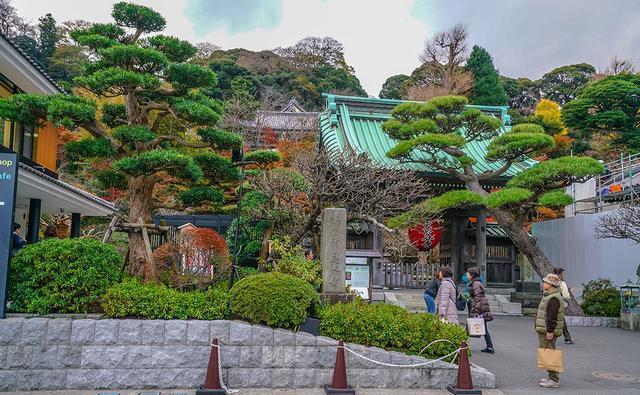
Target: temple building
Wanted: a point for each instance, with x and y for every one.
(468, 238)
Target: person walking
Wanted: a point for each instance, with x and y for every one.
(549, 322)
(430, 293)
(564, 291)
(446, 296)
(480, 305)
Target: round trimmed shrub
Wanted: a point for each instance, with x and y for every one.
(274, 299)
(62, 276)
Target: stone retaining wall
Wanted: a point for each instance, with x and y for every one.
(611, 322)
(53, 354)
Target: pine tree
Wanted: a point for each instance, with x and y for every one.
(47, 39)
(487, 88)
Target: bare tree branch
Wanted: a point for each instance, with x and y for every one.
(623, 223)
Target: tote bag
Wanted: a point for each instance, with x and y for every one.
(550, 359)
(476, 327)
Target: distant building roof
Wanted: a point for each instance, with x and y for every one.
(355, 123)
(292, 117)
(33, 62)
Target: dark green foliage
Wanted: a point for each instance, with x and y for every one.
(263, 157)
(394, 87)
(216, 167)
(601, 298)
(66, 63)
(116, 81)
(94, 41)
(220, 139)
(274, 299)
(187, 75)
(557, 173)
(555, 199)
(389, 327)
(197, 110)
(134, 58)
(107, 30)
(88, 148)
(519, 143)
(453, 199)
(48, 37)
(508, 197)
(605, 106)
(62, 276)
(29, 46)
(114, 114)
(487, 88)
(149, 162)
(131, 299)
(175, 49)
(562, 83)
(522, 92)
(203, 194)
(70, 111)
(130, 135)
(138, 17)
(111, 179)
(249, 238)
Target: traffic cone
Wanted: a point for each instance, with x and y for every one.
(464, 385)
(212, 380)
(339, 382)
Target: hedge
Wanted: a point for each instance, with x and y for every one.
(275, 299)
(153, 301)
(62, 276)
(390, 327)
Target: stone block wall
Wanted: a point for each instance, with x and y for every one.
(65, 354)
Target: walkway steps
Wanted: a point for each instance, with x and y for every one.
(413, 302)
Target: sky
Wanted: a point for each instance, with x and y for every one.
(385, 37)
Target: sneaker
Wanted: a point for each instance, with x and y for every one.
(543, 380)
(489, 350)
(549, 384)
(568, 341)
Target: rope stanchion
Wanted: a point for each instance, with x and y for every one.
(464, 384)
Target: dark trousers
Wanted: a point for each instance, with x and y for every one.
(565, 332)
(487, 335)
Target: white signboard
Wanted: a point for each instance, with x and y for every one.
(357, 275)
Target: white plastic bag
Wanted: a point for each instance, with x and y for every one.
(475, 326)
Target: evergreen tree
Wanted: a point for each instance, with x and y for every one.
(435, 134)
(47, 39)
(487, 88)
(158, 128)
(394, 87)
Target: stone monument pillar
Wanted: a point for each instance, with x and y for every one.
(333, 254)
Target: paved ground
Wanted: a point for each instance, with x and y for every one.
(251, 392)
(606, 350)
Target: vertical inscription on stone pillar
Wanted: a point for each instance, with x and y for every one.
(333, 246)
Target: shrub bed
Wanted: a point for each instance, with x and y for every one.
(274, 299)
(154, 301)
(390, 327)
(62, 276)
(601, 298)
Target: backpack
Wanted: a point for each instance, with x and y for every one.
(461, 303)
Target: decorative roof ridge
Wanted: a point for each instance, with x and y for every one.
(69, 187)
(33, 62)
(286, 114)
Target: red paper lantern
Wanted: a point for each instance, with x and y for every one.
(425, 236)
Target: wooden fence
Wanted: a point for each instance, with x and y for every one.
(406, 274)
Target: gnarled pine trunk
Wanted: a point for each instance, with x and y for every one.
(526, 244)
(141, 192)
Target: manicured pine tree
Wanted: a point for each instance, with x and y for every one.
(158, 128)
(47, 39)
(487, 88)
(444, 125)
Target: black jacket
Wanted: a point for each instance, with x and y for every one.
(432, 288)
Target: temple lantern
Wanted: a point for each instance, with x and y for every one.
(424, 237)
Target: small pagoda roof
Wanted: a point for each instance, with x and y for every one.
(292, 117)
(355, 124)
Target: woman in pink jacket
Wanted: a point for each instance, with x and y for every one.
(446, 297)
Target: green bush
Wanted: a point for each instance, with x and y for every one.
(133, 299)
(390, 327)
(274, 299)
(62, 276)
(601, 298)
(289, 258)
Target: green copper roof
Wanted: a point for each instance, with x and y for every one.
(356, 123)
